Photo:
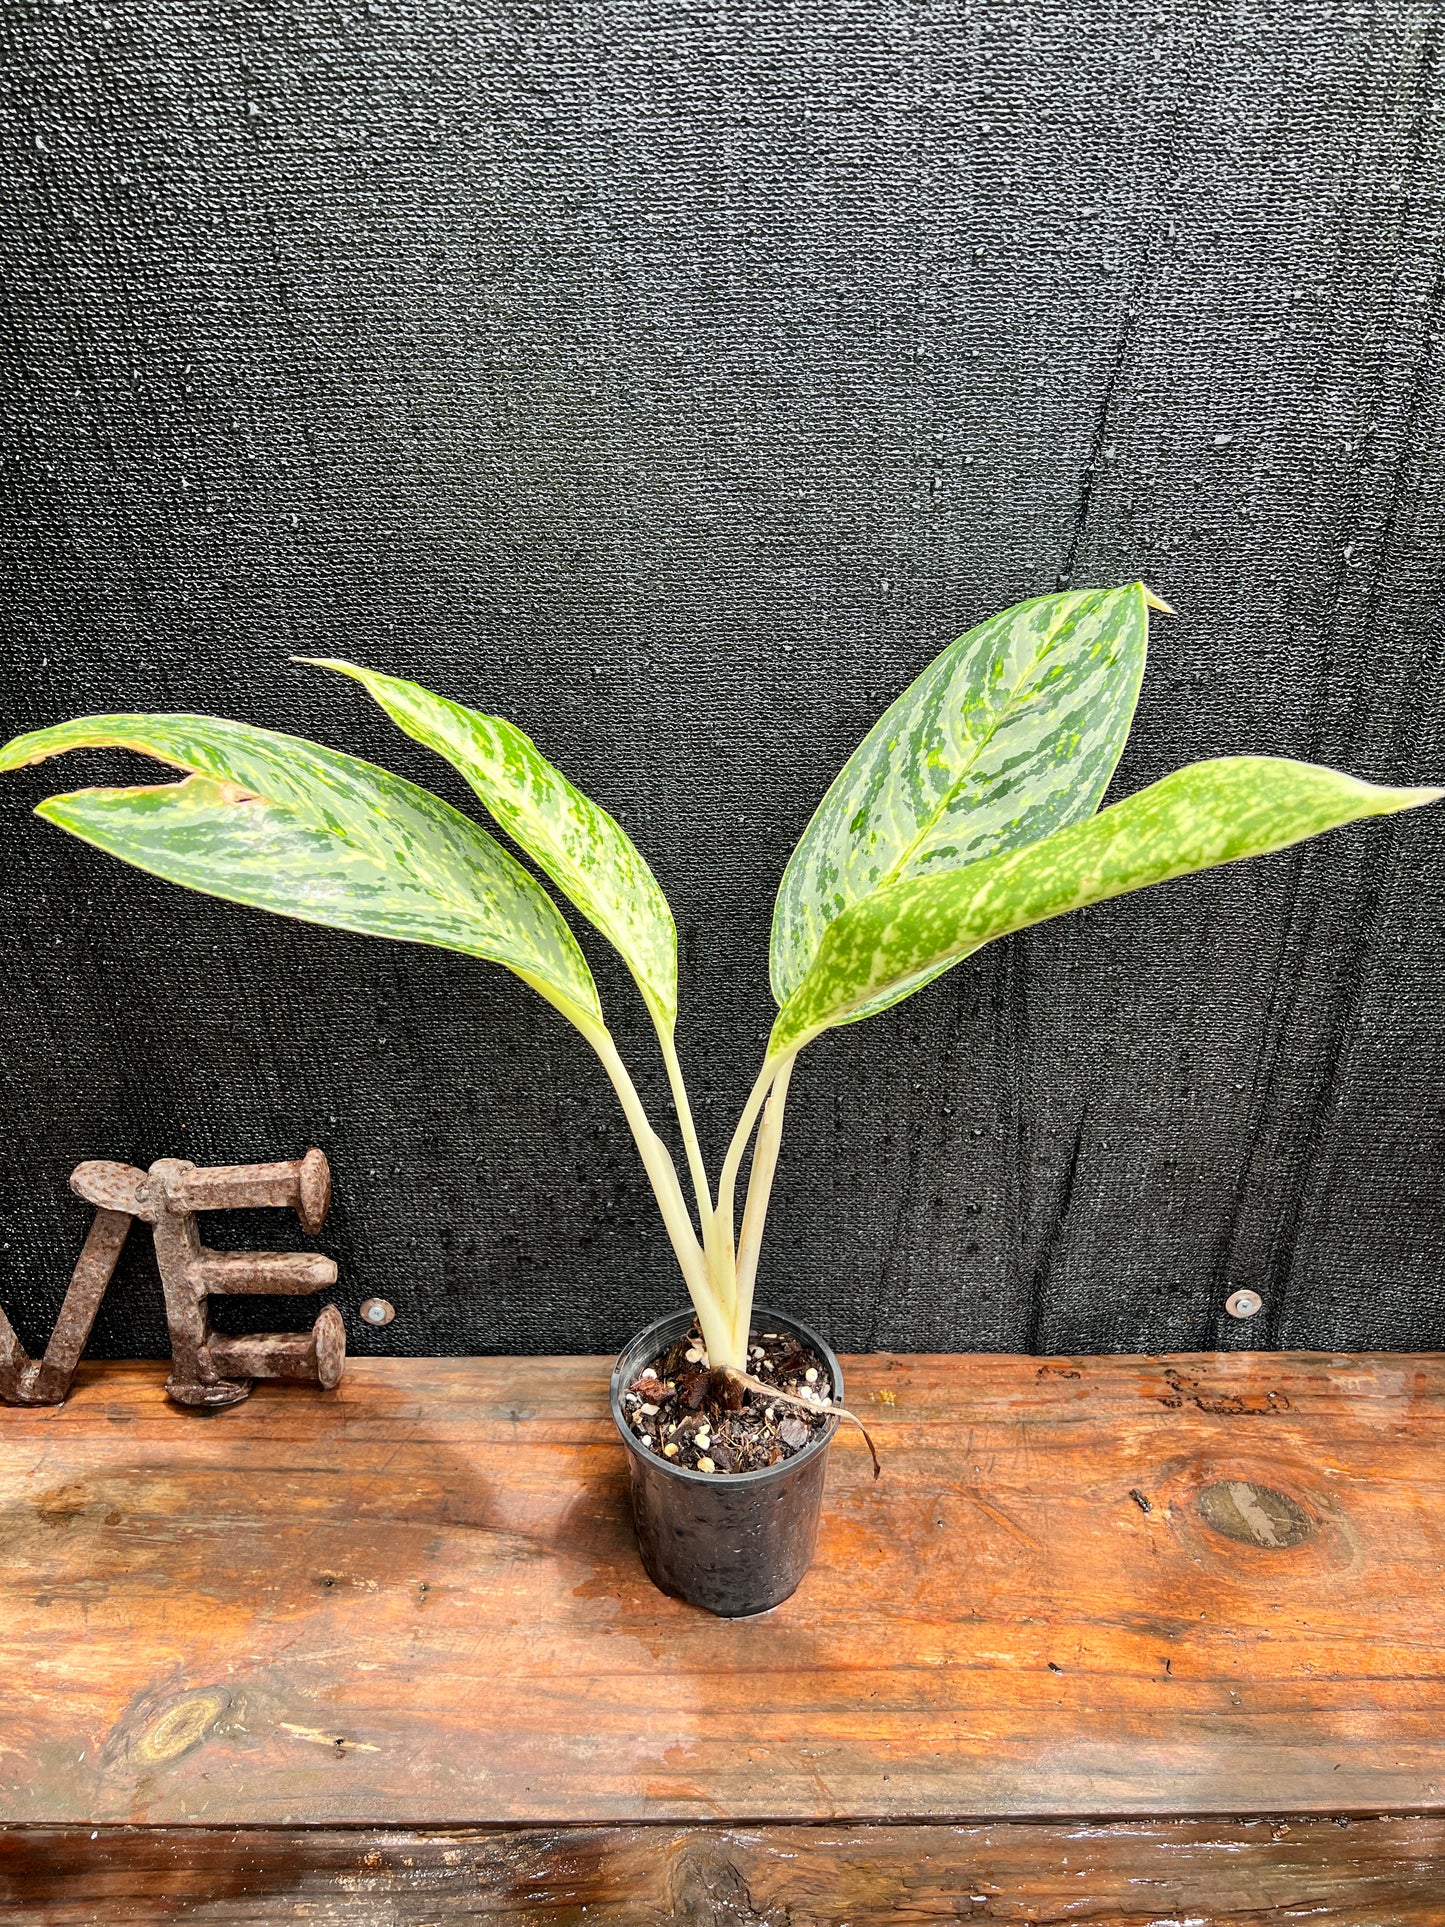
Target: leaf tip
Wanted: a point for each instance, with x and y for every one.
(1388, 798)
(1153, 601)
(53, 809)
(328, 662)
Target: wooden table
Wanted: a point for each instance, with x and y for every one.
(1116, 1639)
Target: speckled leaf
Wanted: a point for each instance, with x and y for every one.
(1207, 814)
(289, 826)
(586, 853)
(1012, 733)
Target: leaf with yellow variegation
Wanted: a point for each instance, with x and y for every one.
(587, 854)
(1011, 733)
(1204, 815)
(290, 826)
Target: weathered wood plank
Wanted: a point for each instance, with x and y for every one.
(1363, 1873)
(416, 1601)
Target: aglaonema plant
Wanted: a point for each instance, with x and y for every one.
(969, 811)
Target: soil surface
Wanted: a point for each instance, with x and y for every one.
(707, 1422)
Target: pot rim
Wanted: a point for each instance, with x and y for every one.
(728, 1481)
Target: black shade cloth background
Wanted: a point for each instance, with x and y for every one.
(677, 379)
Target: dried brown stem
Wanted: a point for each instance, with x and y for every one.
(772, 1393)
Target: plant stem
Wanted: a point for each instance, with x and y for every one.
(685, 1124)
(727, 1183)
(755, 1210)
(716, 1247)
(712, 1310)
(719, 1282)
(721, 1266)
(655, 1154)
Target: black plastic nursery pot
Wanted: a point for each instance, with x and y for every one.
(734, 1543)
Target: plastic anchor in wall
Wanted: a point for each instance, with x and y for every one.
(207, 1368)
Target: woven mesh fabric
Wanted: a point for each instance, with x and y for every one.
(677, 379)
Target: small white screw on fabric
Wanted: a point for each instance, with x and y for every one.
(376, 1311)
(1244, 1304)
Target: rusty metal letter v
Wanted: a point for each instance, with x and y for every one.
(208, 1368)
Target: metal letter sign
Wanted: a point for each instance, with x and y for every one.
(207, 1367)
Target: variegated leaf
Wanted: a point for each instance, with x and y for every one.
(289, 826)
(1011, 733)
(1207, 814)
(587, 854)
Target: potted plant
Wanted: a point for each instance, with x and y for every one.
(970, 810)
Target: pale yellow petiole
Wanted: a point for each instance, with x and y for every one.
(727, 1183)
(695, 1164)
(717, 1248)
(719, 1279)
(713, 1313)
(755, 1208)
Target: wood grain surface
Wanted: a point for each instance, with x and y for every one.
(416, 1602)
(1244, 1873)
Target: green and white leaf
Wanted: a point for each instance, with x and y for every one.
(587, 854)
(1011, 733)
(289, 826)
(1204, 815)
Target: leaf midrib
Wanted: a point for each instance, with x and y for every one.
(894, 874)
